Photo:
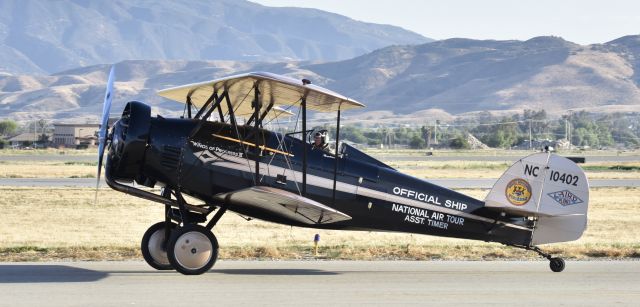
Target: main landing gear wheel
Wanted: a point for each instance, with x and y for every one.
(556, 264)
(192, 250)
(154, 246)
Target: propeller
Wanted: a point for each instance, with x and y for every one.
(102, 134)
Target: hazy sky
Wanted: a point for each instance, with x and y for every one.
(583, 22)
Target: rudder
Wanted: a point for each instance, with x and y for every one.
(549, 188)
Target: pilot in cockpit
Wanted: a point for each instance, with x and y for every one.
(320, 140)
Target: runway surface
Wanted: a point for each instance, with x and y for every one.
(326, 283)
(458, 183)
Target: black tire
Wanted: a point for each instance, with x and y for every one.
(153, 254)
(192, 250)
(556, 264)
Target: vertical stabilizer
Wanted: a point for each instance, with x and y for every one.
(548, 187)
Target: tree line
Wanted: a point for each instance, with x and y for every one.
(582, 128)
(10, 128)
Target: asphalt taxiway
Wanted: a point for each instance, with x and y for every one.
(327, 283)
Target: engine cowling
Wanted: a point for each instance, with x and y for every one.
(129, 139)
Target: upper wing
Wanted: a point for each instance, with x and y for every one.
(276, 112)
(283, 204)
(280, 90)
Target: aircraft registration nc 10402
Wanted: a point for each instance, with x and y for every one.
(220, 154)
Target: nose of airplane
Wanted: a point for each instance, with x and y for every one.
(128, 141)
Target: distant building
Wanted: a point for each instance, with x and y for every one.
(30, 139)
(74, 135)
(23, 140)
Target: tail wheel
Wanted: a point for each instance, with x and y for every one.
(556, 264)
(192, 250)
(154, 246)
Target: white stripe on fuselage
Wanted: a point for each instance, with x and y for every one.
(321, 182)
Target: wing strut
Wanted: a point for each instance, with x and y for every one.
(335, 164)
(213, 97)
(256, 127)
(189, 104)
(304, 146)
(218, 100)
(265, 113)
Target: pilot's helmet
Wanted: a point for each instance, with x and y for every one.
(322, 134)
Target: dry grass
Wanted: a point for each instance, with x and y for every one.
(445, 152)
(495, 169)
(81, 253)
(50, 151)
(404, 152)
(420, 169)
(52, 224)
(39, 169)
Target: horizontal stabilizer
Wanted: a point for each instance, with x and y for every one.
(551, 229)
(283, 204)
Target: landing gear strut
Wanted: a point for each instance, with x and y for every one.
(556, 264)
(187, 247)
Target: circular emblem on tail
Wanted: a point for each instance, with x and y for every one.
(518, 192)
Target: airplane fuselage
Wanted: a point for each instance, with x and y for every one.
(218, 158)
(281, 178)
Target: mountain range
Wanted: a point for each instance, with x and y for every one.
(52, 36)
(52, 56)
(426, 81)
(464, 75)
